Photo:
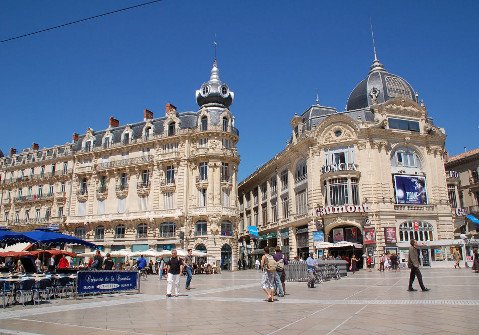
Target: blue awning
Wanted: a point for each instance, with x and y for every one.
(472, 218)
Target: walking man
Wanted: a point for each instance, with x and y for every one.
(280, 277)
(189, 268)
(413, 264)
(175, 268)
(161, 265)
(457, 258)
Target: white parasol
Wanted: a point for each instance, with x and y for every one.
(145, 253)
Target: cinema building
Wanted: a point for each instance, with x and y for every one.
(365, 180)
(162, 183)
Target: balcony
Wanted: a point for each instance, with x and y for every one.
(33, 198)
(84, 169)
(102, 192)
(165, 214)
(299, 180)
(125, 162)
(414, 208)
(119, 236)
(143, 188)
(82, 194)
(121, 190)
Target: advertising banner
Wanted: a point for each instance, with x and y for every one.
(106, 281)
(338, 235)
(390, 235)
(253, 231)
(350, 234)
(318, 236)
(369, 236)
(410, 189)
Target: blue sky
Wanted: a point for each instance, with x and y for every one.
(275, 55)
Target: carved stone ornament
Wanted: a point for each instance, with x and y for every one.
(374, 93)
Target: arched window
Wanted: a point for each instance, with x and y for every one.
(80, 232)
(201, 228)
(167, 229)
(418, 230)
(120, 231)
(147, 133)
(342, 191)
(142, 230)
(226, 228)
(405, 157)
(301, 171)
(225, 123)
(171, 128)
(99, 233)
(204, 123)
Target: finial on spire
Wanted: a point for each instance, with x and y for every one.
(215, 45)
(317, 98)
(374, 42)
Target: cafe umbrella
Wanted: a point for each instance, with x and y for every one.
(8, 237)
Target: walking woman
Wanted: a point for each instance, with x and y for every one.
(354, 262)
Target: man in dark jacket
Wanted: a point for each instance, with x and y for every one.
(280, 276)
(413, 264)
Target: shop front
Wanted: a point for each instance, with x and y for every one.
(302, 242)
(435, 253)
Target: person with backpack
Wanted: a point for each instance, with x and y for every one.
(268, 264)
(280, 276)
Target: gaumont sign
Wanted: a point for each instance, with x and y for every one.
(321, 211)
(338, 167)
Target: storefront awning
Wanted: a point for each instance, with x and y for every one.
(473, 219)
(438, 243)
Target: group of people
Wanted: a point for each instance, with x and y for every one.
(273, 280)
(389, 262)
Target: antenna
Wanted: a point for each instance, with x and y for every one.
(317, 98)
(215, 45)
(372, 36)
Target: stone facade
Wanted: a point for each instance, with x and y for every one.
(354, 176)
(161, 183)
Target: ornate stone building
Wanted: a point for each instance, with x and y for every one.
(160, 183)
(365, 180)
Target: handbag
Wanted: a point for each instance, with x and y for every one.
(351, 267)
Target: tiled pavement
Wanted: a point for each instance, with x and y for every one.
(232, 303)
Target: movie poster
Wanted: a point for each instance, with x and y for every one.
(410, 189)
(390, 235)
(350, 234)
(338, 235)
(369, 236)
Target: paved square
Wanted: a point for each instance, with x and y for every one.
(233, 303)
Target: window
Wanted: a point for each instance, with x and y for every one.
(402, 124)
(204, 123)
(88, 145)
(342, 191)
(147, 134)
(451, 192)
(225, 197)
(201, 228)
(106, 142)
(65, 168)
(17, 216)
(6, 215)
(81, 209)
(29, 191)
(120, 231)
(37, 214)
(167, 229)
(99, 233)
(60, 211)
(273, 183)
(80, 232)
(168, 200)
(123, 181)
(418, 230)
(263, 191)
(62, 187)
(225, 172)
(50, 190)
(301, 202)
(40, 191)
(226, 143)
(170, 174)
(203, 171)
(406, 158)
(102, 184)
(340, 158)
(202, 197)
(126, 138)
(255, 217)
(48, 213)
(226, 228)
(285, 207)
(264, 214)
(27, 215)
(145, 178)
(225, 123)
(301, 171)
(170, 147)
(142, 230)
(53, 169)
(20, 193)
(284, 180)
(83, 187)
(32, 172)
(171, 128)
(274, 211)
(202, 143)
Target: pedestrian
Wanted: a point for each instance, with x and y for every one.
(311, 264)
(63, 263)
(381, 263)
(174, 267)
(189, 268)
(475, 261)
(108, 263)
(413, 264)
(369, 263)
(268, 264)
(257, 264)
(51, 264)
(38, 265)
(457, 258)
(280, 276)
(20, 268)
(97, 261)
(354, 261)
(394, 262)
(161, 266)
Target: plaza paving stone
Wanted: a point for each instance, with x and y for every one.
(233, 303)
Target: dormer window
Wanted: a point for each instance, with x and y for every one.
(126, 138)
(171, 128)
(225, 124)
(204, 123)
(106, 142)
(88, 146)
(205, 90)
(147, 133)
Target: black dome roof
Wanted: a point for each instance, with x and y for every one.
(378, 87)
(214, 91)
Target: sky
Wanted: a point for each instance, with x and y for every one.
(276, 56)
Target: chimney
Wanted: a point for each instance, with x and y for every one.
(114, 122)
(75, 137)
(170, 108)
(147, 115)
(13, 151)
(35, 146)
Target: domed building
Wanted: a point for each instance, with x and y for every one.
(365, 181)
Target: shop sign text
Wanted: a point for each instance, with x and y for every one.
(342, 209)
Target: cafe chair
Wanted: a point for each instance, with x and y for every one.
(43, 288)
(25, 289)
(6, 292)
(62, 286)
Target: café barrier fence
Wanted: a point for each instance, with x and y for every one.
(90, 282)
(298, 271)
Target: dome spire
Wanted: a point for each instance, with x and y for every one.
(376, 66)
(215, 73)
